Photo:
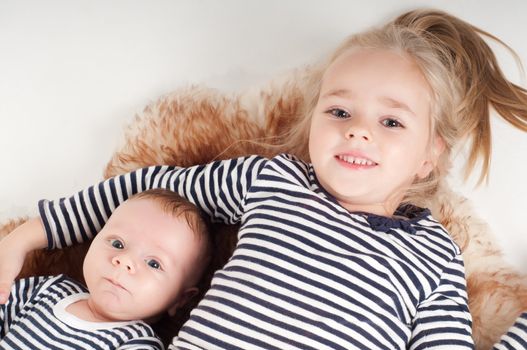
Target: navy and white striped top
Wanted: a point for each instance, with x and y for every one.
(35, 317)
(516, 337)
(306, 273)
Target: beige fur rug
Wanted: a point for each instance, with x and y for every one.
(196, 125)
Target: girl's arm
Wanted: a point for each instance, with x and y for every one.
(13, 250)
(443, 320)
(144, 343)
(516, 336)
(218, 188)
(21, 291)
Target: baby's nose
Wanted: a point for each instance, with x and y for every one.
(124, 262)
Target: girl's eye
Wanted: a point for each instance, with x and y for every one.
(153, 264)
(117, 244)
(338, 113)
(392, 123)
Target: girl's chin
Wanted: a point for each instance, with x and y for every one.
(361, 204)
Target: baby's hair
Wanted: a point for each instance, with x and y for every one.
(176, 206)
(464, 77)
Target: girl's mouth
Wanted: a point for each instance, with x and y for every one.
(355, 162)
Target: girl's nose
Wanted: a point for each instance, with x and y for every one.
(122, 261)
(358, 131)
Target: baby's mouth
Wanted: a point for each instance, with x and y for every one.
(115, 283)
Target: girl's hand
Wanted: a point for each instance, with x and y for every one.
(13, 250)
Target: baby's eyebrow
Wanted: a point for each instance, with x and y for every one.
(162, 253)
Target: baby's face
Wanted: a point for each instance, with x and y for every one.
(138, 265)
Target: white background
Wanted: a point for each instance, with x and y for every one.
(73, 73)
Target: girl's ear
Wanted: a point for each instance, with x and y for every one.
(437, 148)
(182, 300)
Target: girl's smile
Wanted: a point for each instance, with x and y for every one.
(355, 160)
(370, 130)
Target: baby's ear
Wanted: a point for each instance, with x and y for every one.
(184, 298)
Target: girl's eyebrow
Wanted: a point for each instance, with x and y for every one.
(387, 101)
(345, 93)
(393, 103)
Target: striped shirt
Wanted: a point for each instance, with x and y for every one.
(35, 317)
(306, 273)
(516, 337)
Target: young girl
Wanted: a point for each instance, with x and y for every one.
(333, 253)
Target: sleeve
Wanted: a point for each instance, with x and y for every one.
(516, 336)
(21, 292)
(443, 320)
(150, 343)
(218, 188)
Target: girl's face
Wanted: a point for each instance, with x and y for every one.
(370, 130)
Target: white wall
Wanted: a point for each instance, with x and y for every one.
(73, 73)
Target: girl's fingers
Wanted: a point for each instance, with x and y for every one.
(5, 288)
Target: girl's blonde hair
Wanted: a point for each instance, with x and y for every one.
(464, 77)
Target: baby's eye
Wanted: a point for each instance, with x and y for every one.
(117, 244)
(338, 113)
(153, 264)
(392, 123)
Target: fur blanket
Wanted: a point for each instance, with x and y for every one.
(196, 125)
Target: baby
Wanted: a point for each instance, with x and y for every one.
(146, 260)
(333, 250)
